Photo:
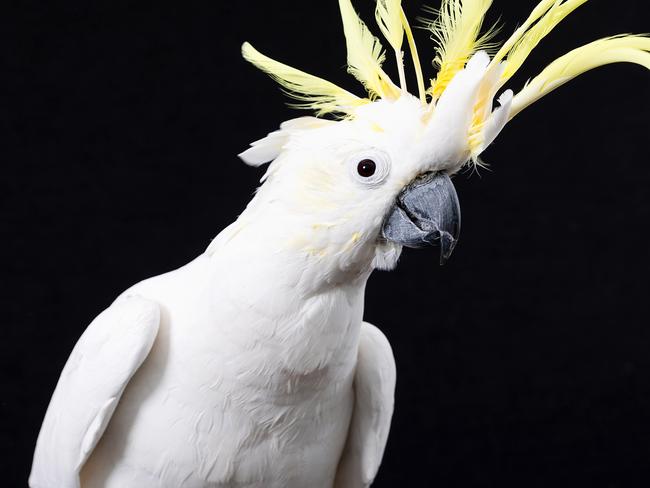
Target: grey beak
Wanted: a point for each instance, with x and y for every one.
(426, 212)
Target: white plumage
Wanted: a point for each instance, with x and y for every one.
(229, 395)
(251, 366)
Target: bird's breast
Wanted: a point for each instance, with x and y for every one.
(235, 393)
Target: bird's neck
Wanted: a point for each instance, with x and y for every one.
(302, 309)
(324, 254)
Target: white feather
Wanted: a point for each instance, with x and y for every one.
(374, 386)
(268, 148)
(499, 118)
(91, 384)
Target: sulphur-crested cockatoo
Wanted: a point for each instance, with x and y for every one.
(252, 366)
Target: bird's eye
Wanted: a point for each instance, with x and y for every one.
(369, 167)
(366, 168)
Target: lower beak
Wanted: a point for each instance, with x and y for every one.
(426, 212)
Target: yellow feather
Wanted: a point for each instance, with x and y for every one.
(312, 92)
(624, 48)
(522, 47)
(541, 8)
(365, 55)
(388, 15)
(456, 30)
(414, 56)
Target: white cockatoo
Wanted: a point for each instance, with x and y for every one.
(251, 366)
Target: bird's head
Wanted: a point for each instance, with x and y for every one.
(375, 176)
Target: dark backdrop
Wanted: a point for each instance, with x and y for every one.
(119, 128)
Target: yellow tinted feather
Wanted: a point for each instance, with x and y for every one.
(522, 47)
(365, 55)
(541, 8)
(312, 92)
(414, 55)
(619, 49)
(387, 14)
(456, 30)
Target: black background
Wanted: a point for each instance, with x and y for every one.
(525, 361)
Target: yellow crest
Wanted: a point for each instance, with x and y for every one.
(457, 31)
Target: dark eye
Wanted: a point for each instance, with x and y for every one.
(366, 168)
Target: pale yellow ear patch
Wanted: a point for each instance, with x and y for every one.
(375, 127)
(354, 239)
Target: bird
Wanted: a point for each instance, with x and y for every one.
(252, 365)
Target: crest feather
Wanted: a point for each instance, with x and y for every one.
(456, 30)
(393, 24)
(524, 42)
(365, 55)
(619, 49)
(388, 15)
(461, 112)
(310, 91)
(541, 8)
(415, 57)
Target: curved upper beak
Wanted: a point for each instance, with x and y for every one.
(427, 211)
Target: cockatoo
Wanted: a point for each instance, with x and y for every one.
(252, 365)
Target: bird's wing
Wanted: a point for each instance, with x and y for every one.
(101, 364)
(374, 387)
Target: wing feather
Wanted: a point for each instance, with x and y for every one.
(100, 366)
(374, 386)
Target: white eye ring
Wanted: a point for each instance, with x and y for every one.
(370, 167)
